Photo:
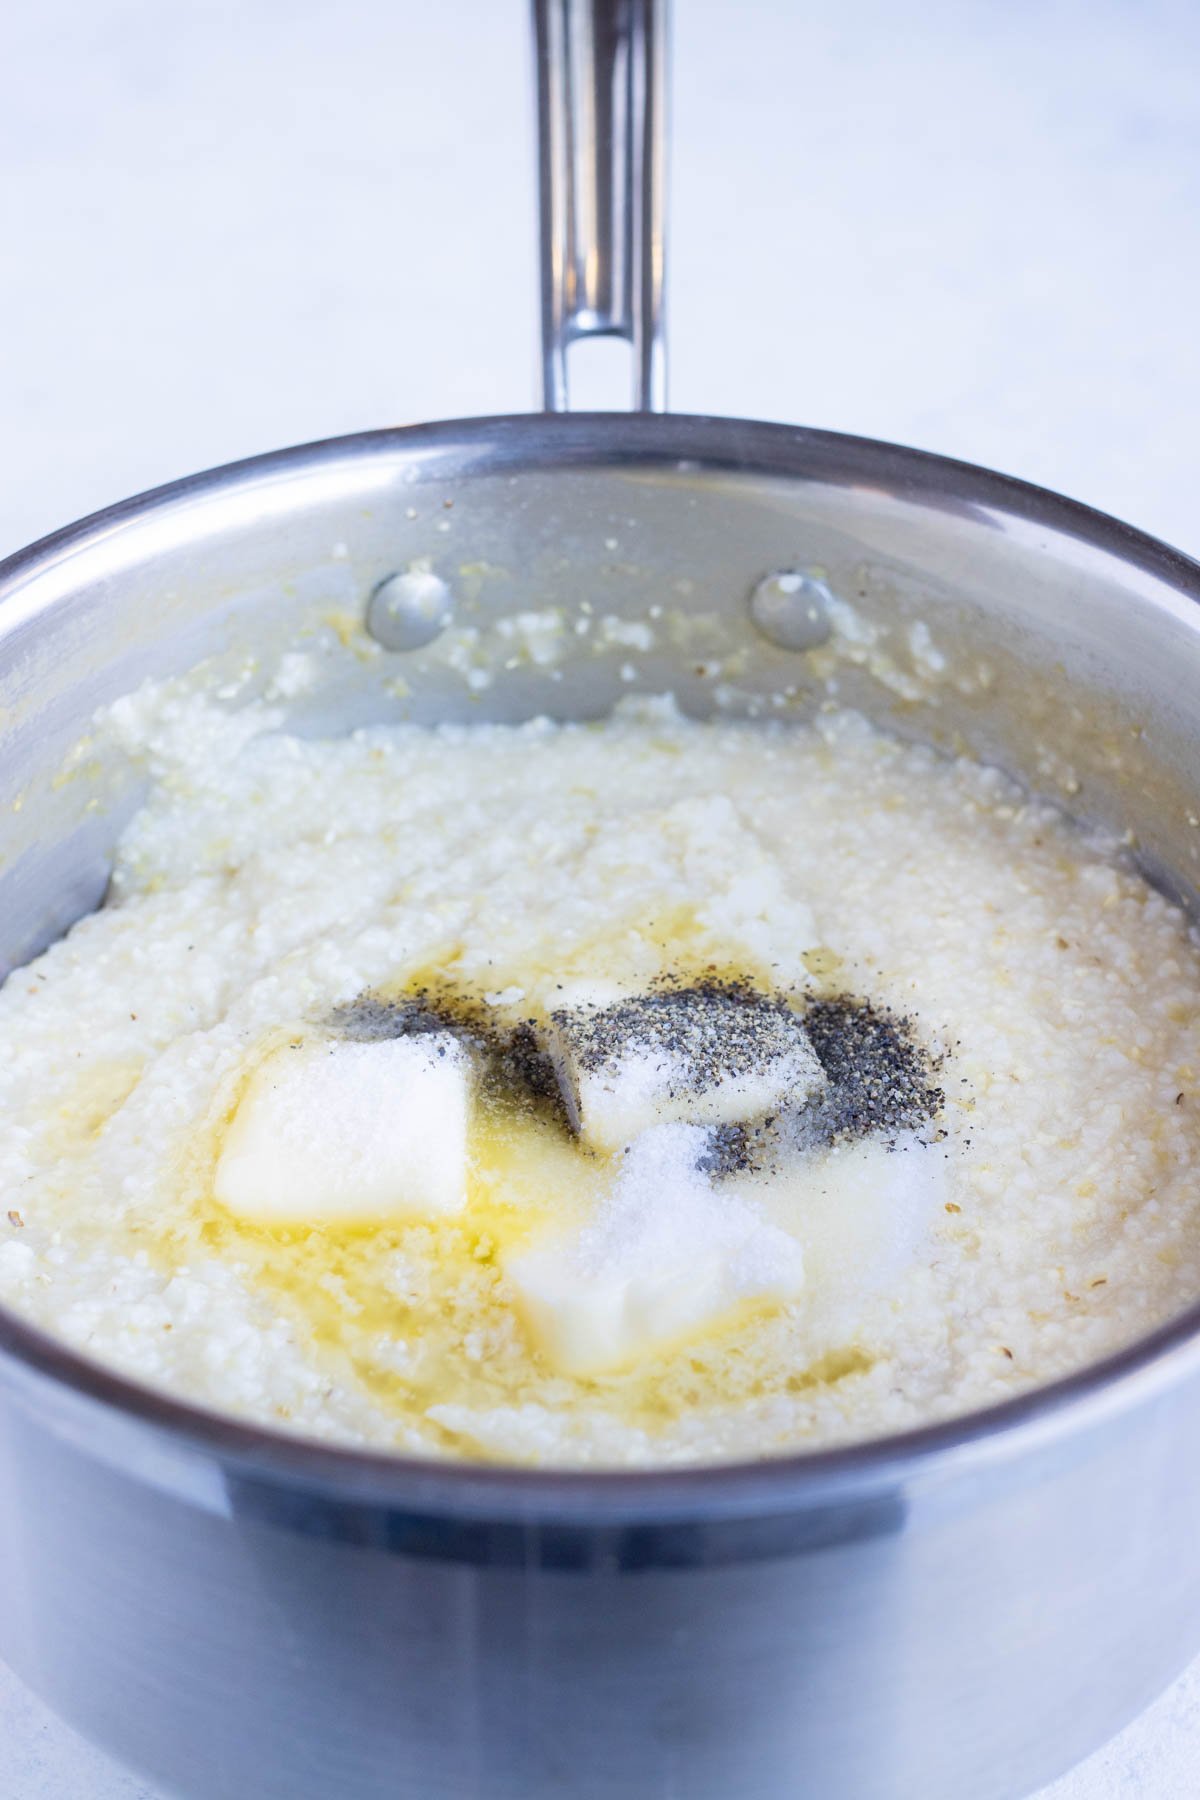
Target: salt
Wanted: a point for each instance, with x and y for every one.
(664, 1256)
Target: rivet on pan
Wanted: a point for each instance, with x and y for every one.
(407, 611)
(791, 609)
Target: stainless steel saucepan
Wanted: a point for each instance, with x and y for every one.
(961, 1611)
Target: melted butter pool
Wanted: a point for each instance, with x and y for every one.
(420, 1314)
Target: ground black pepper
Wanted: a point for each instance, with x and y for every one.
(710, 1031)
(880, 1076)
(880, 1079)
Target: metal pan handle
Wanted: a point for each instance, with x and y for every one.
(601, 87)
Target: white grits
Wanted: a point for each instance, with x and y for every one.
(269, 880)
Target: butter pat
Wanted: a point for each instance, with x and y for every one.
(704, 1056)
(332, 1130)
(665, 1256)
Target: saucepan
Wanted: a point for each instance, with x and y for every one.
(963, 1610)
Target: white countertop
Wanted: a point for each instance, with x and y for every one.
(234, 224)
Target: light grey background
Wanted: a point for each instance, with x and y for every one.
(232, 225)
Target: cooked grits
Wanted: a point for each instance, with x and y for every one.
(1045, 1214)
